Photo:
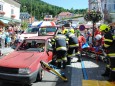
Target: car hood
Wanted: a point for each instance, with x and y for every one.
(20, 59)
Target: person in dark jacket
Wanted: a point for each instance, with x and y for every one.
(109, 45)
(60, 48)
(72, 45)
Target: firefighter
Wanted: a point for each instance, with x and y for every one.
(109, 45)
(99, 39)
(60, 47)
(72, 45)
(81, 41)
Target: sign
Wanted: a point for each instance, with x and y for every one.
(81, 27)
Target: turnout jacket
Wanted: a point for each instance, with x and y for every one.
(109, 42)
(60, 42)
(73, 41)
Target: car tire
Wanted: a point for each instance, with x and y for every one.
(40, 75)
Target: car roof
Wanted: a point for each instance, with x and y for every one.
(39, 37)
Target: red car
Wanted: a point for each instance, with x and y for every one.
(23, 64)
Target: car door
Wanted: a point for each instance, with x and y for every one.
(49, 52)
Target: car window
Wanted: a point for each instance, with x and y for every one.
(47, 31)
(51, 29)
(31, 30)
(32, 45)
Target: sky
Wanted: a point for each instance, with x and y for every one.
(68, 4)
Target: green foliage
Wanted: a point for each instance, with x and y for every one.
(72, 17)
(93, 16)
(80, 11)
(39, 8)
(24, 25)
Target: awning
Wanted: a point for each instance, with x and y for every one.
(43, 23)
(4, 21)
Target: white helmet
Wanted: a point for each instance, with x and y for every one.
(98, 37)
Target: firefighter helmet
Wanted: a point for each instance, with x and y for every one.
(104, 28)
(71, 30)
(65, 31)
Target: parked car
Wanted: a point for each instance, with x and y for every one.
(23, 64)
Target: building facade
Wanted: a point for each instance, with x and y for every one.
(107, 7)
(25, 17)
(64, 15)
(9, 11)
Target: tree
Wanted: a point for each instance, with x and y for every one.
(24, 25)
(94, 16)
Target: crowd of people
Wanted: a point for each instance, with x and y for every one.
(70, 42)
(8, 36)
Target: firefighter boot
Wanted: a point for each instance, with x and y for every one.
(68, 61)
(79, 58)
(59, 65)
(112, 76)
(107, 72)
(64, 64)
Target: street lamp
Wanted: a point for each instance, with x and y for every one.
(94, 16)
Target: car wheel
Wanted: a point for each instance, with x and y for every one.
(40, 75)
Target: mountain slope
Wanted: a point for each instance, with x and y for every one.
(39, 8)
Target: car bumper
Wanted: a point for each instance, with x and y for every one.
(18, 78)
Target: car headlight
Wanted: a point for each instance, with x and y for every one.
(24, 71)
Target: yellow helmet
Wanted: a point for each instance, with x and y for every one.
(104, 28)
(71, 30)
(65, 31)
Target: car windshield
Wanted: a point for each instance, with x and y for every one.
(47, 30)
(31, 30)
(32, 45)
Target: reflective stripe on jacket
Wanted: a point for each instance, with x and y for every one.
(60, 42)
(111, 55)
(73, 41)
(108, 40)
(61, 48)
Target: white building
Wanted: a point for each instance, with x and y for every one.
(9, 11)
(107, 7)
